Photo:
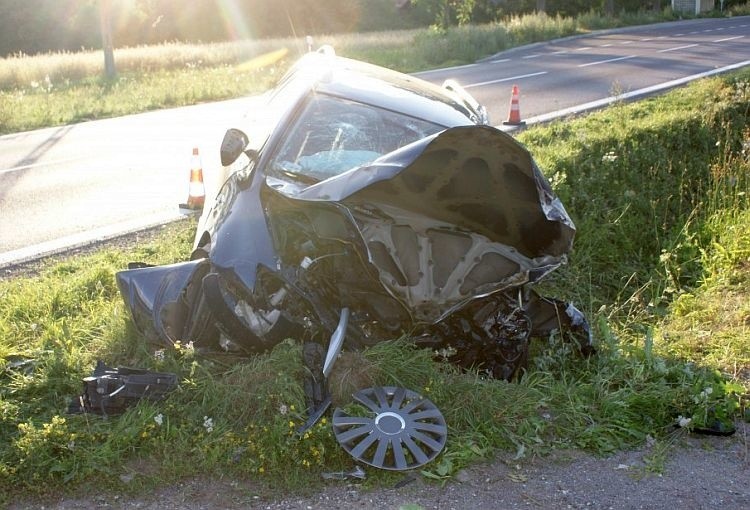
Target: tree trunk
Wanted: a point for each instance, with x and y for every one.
(106, 25)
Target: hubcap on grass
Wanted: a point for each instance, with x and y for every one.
(393, 428)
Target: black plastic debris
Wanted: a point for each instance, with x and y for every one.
(112, 390)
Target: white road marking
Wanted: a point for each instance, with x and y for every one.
(709, 30)
(677, 48)
(635, 93)
(43, 163)
(729, 39)
(519, 77)
(584, 48)
(562, 52)
(527, 57)
(647, 39)
(606, 45)
(84, 238)
(606, 61)
(662, 37)
(679, 35)
(693, 33)
(626, 42)
(499, 61)
(465, 66)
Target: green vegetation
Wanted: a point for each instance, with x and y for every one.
(61, 88)
(659, 192)
(38, 26)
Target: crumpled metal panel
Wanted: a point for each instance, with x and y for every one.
(156, 297)
(455, 216)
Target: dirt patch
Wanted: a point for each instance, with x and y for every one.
(702, 472)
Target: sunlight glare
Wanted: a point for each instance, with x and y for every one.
(234, 20)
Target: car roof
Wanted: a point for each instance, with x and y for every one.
(370, 84)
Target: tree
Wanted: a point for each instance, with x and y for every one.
(450, 12)
(105, 13)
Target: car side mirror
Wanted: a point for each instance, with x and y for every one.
(232, 146)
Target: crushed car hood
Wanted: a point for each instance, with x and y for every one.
(457, 215)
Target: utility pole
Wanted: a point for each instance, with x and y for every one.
(106, 26)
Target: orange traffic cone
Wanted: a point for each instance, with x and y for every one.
(196, 190)
(514, 116)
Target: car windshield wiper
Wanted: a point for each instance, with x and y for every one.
(296, 175)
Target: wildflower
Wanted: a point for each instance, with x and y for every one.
(283, 409)
(71, 445)
(159, 419)
(609, 157)
(159, 355)
(683, 422)
(208, 424)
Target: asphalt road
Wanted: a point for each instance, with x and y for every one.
(66, 186)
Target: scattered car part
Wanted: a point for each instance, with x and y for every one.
(357, 473)
(112, 390)
(399, 430)
(336, 343)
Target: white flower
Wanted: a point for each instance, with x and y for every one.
(159, 355)
(208, 424)
(159, 419)
(683, 422)
(283, 409)
(609, 157)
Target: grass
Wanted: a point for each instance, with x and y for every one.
(661, 271)
(61, 88)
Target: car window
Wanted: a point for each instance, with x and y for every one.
(333, 135)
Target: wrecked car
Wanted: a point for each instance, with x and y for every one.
(361, 205)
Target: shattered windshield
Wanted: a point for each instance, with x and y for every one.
(333, 135)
